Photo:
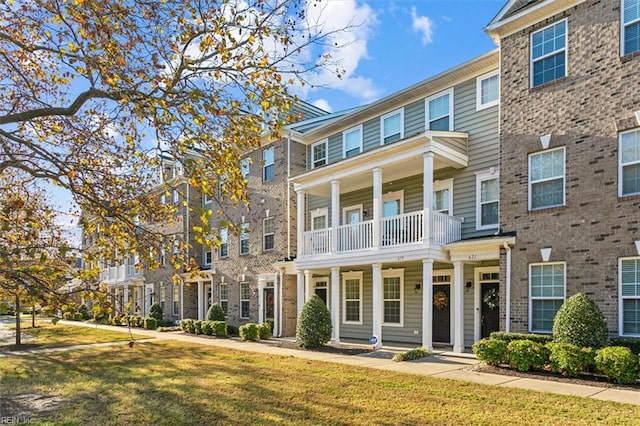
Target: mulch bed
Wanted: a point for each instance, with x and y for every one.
(328, 348)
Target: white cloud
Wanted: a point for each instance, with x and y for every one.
(323, 104)
(423, 25)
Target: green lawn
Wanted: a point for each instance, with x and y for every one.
(174, 383)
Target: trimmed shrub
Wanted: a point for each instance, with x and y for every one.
(314, 324)
(509, 337)
(219, 328)
(215, 313)
(150, 323)
(249, 331)
(165, 323)
(618, 363)
(628, 342)
(525, 355)
(570, 360)
(67, 316)
(165, 329)
(78, 316)
(416, 353)
(580, 322)
(155, 311)
(82, 309)
(264, 330)
(232, 330)
(197, 327)
(188, 326)
(491, 351)
(207, 328)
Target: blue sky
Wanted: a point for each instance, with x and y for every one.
(400, 43)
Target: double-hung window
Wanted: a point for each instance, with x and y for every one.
(546, 294)
(391, 127)
(224, 245)
(352, 302)
(629, 274)
(268, 230)
(630, 26)
(439, 111)
(487, 90)
(244, 238)
(393, 297)
(546, 179)
(176, 299)
(549, 53)
(352, 142)
(487, 196)
(319, 153)
(224, 297)
(244, 300)
(267, 164)
(629, 170)
(443, 197)
(244, 168)
(208, 253)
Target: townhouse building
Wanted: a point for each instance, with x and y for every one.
(569, 159)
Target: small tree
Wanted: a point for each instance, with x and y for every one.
(215, 313)
(155, 311)
(314, 324)
(580, 322)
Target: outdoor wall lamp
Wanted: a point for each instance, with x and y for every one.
(417, 288)
(469, 284)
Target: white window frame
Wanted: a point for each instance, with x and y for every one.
(242, 237)
(427, 122)
(483, 177)
(531, 298)
(548, 55)
(265, 164)
(621, 298)
(175, 197)
(348, 209)
(394, 195)
(248, 300)
(394, 273)
(245, 167)
(382, 123)
(206, 199)
(440, 185)
(224, 300)
(163, 297)
(265, 234)
(207, 251)
(622, 165)
(344, 140)
(479, 81)
(314, 160)
(223, 233)
(564, 179)
(623, 25)
(319, 212)
(175, 301)
(178, 170)
(351, 276)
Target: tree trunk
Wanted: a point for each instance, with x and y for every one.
(33, 316)
(18, 341)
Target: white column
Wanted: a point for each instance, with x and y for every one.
(335, 304)
(261, 285)
(276, 303)
(335, 214)
(307, 285)
(200, 300)
(300, 290)
(377, 206)
(427, 304)
(427, 193)
(181, 300)
(377, 303)
(458, 307)
(300, 216)
(125, 298)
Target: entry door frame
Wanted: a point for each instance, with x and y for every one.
(326, 280)
(477, 304)
(447, 273)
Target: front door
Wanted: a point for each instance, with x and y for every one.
(442, 313)
(320, 289)
(489, 309)
(268, 304)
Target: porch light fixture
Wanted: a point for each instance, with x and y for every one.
(417, 288)
(242, 277)
(545, 252)
(469, 284)
(638, 117)
(638, 247)
(544, 140)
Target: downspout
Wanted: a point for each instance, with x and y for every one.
(507, 327)
(288, 197)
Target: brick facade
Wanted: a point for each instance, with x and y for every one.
(584, 112)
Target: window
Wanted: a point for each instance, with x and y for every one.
(206, 199)
(244, 167)
(163, 198)
(268, 228)
(440, 111)
(163, 296)
(268, 167)
(487, 197)
(176, 196)
(319, 218)
(443, 196)
(176, 299)
(391, 128)
(547, 283)
(630, 296)
(244, 300)
(352, 290)
(224, 246)
(319, 153)
(487, 90)
(352, 142)
(548, 53)
(393, 297)
(224, 297)
(629, 170)
(208, 252)
(630, 26)
(546, 179)
(244, 238)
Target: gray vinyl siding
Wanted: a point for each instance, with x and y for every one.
(412, 309)
(469, 296)
(371, 134)
(414, 118)
(335, 148)
(357, 331)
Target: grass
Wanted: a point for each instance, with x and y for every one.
(48, 335)
(175, 383)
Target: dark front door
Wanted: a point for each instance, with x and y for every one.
(442, 313)
(268, 304)
(489, 309)
(322, 294)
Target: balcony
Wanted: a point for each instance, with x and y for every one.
(395, 231)
(119, 274)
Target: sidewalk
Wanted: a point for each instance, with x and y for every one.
(446, 365)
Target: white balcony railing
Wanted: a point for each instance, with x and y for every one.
(404, 229)
(120, 273)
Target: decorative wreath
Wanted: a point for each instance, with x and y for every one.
(440, 299)
(492, 299)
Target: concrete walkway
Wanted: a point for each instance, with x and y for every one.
(446, 365)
